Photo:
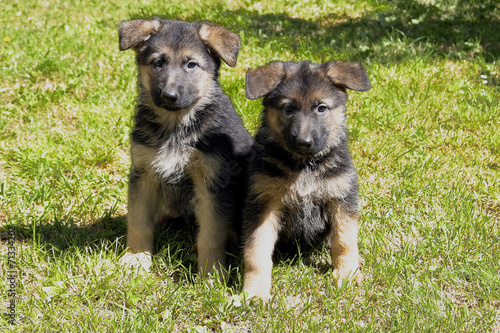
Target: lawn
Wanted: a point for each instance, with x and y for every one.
(425, 140)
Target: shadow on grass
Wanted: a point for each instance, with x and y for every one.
(64, 236)
(174, 242)
(394, 30)
(60, 235)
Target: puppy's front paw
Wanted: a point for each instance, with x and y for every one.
(351, 274)
(251, 293)
(257, 286)
(137, 261)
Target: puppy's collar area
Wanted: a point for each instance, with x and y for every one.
(181, 116)
(293, 162)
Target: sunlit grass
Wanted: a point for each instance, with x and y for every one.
(425, 141)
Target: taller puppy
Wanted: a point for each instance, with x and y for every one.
(188, 144)
(303, 185)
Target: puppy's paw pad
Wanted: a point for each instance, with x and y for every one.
(256, 296)
(349, 275)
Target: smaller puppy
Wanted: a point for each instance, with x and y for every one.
(303, 186)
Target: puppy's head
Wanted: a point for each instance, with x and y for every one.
(304, 103)
(178, 61)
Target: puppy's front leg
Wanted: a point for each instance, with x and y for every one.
(142, 204)
(213, 230)
(258, 252)
(344, 245)
(211, 241)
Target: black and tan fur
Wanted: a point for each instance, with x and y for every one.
(188, 144)
(303, 185)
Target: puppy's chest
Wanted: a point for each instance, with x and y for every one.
(171, 163)
(305, 216)
(305, 189)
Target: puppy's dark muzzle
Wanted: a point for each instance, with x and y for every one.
(169, 96)
(171, 99)
(303, 145)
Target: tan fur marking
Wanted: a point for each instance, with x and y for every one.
(213, 234)
(132, 33)
(226, 43)
(259, 249)
(352, 75)
(204, 84)
(301, 185)
(344, 246)
(337, 120)
(263, 80)
(140, 229)
(164, 50)
(274, 117)
(144, 75)
(143, 205)
(337, 187)
(270, 188)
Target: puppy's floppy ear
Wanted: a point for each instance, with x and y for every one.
(226, 44)
(133, 33)
(351, 75)
(261, 81)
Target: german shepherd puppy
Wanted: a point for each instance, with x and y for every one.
(303, 186)
(188, 144)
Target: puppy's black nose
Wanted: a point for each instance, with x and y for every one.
(304, 142)
(169, 95)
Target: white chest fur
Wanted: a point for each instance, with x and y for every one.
(167, 162)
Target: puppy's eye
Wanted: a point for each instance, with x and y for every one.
(158, 63)
(288, 108)
(322, 108)
(192, 64)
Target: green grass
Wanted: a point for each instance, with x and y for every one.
(425, 139)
